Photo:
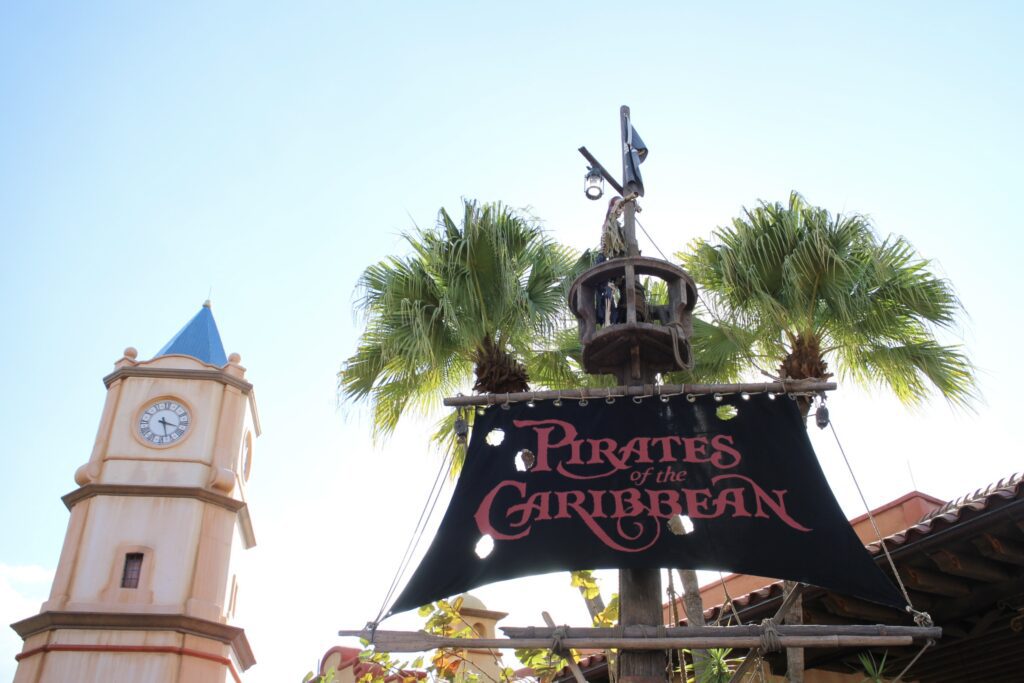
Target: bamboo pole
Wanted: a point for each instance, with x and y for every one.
(636, 632)
(801, 386)
(743, 637)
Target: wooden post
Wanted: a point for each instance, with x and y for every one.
(794, 655)
(639, 589)
(640, 604)
(629, 229)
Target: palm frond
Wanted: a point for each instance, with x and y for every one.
(782, 272)
(492, 281)
(914, 369)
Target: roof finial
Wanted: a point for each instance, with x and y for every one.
(206, 304)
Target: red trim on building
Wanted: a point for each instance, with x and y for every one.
(906, 497)
(149, 649)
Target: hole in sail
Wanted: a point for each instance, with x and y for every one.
(495, 437)
(726, 412)
(484, 546)
(680, 525)
(525, 460)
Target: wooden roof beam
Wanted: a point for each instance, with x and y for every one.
(982, 597)
(969, 566)
(932, 582)
(1000, 549)
(859, 609)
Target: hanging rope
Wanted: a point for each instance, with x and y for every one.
(651, 239)
(673, 609)
(718, 320)
(920, 618)
(728, 603)
(927, 644)
(417, 535)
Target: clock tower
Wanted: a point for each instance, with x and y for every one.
(146, 585)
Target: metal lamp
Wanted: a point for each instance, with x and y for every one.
(593, 184)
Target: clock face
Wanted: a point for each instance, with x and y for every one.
(164, 422)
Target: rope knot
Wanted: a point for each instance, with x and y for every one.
(922, 619)
(558, 636)
(770, 636)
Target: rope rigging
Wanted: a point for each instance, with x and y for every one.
(718, 320)
(920, 618)
(425, 514)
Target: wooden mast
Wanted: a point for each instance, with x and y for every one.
(639, 589)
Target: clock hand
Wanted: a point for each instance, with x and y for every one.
(165, 423)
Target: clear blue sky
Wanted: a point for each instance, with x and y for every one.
(151, 153)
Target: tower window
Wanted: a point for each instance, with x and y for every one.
(132, 570)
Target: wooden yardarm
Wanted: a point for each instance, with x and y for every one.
(655, 640)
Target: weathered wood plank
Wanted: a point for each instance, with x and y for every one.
(709, 631)
(405, 641)
(640, 605)
(790, 386)
(968, 566)
(1001, 549)
(933, 582)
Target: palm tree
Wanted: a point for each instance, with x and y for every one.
(471, 299)
(801, 288)
(484, 298)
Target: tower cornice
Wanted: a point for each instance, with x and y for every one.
(228, 503)
(120, 621)
(177, 373)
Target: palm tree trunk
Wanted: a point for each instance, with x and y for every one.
(694, 606)
(803, 362)
(497, 370)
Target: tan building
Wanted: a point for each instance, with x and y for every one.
(146, 585)
(486, 663)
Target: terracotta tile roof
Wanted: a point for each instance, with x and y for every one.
(587, 663)
(951, 512)
(947, 515)
(363, 668)
(349, 657)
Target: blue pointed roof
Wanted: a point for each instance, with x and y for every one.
(199, 339)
